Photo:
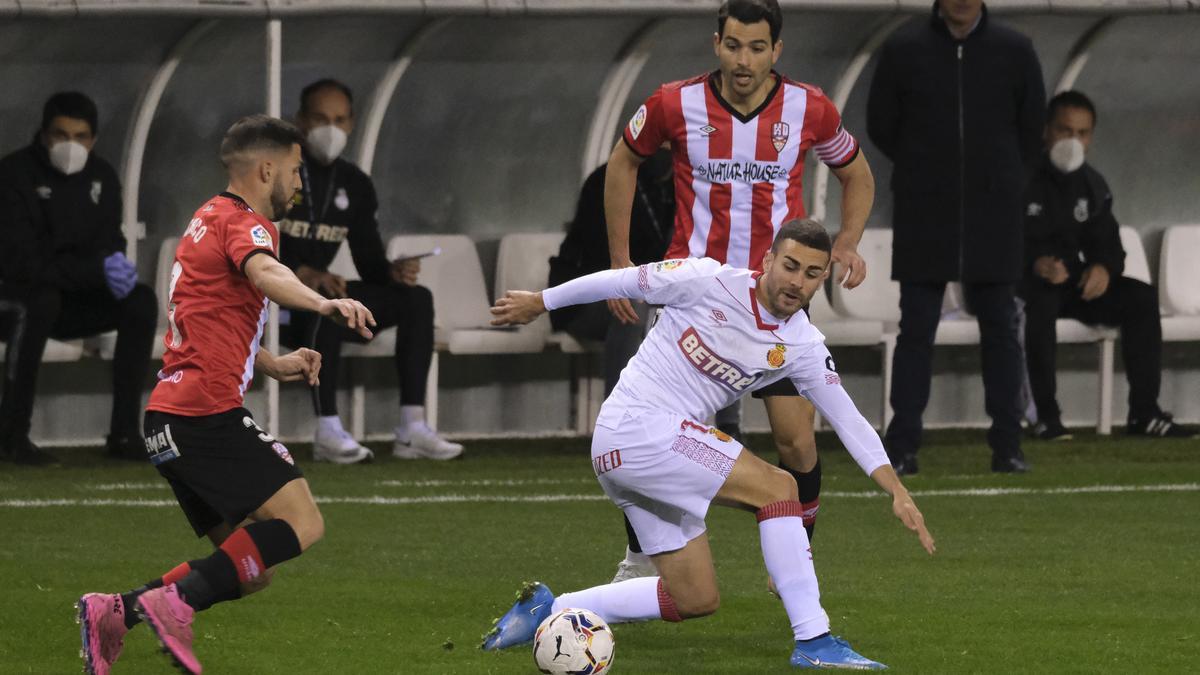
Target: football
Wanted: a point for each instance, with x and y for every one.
(574, 641)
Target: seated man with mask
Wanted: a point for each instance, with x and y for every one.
(64, 274)
(1073, 265)
(337, 204)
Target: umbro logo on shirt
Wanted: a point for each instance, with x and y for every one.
(707, 130)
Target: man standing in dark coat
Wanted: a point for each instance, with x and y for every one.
(957, 105)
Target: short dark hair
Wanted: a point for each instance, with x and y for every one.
(321, 85)
(752, 11)
(70, 104)
(258, 132)
(806, 232)
(1069, 99)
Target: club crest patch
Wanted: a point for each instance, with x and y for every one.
(342, 200)
(776, 357)
(638, 122)
(261, 237)
(97, 187)
(779, 135)
(1081, 209)
(668, 265)
(282, 451)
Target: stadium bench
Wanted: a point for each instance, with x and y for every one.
(878, 298)
(1179, 283)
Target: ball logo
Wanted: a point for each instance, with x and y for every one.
(638, 122)
(260, 236)
(775, 357)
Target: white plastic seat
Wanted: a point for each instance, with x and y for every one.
(1179, 283)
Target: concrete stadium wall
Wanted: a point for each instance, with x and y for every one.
(488, 131)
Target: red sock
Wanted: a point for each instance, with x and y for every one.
(176, 574)
(666, 605)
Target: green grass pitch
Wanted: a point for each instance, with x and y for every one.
(1089, 564)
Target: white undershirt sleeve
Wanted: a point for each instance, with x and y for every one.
(855, 432)
(604, 285)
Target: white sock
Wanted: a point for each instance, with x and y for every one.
(789, 562)
(633, 600)
(636, 558)
(329, 424)
(412, 416)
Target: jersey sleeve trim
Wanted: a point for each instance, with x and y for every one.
(631, 148)
(251, 254)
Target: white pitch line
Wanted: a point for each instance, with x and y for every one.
(377, 500)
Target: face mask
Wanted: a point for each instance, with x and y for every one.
(325, 143)
(1067, 155)
(68, 157)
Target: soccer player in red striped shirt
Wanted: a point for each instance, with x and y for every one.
(235, 483)
(739, 136)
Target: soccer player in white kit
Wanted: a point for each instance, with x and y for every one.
(724, 332)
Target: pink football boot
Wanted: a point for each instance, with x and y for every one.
(171, 620)
(101, 622)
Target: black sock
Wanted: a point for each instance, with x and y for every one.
(244, 556)
(634, 544)
(808, 484)
(129, 601)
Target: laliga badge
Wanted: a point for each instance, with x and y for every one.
(775, 357)
(260, 236)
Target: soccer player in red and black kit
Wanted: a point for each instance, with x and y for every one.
(739, 136)
(235, 483)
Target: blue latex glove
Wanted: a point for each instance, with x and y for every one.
(120, 275)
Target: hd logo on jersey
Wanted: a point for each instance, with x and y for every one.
(779, 135)
(712, 365)
(638, 122)
(776, 356)
(260, 236)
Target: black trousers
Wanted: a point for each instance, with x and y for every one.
(31, 316)
(1129, 304)
(408, 308)
(920, 310)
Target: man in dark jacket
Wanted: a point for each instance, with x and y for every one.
(1073, 265)
(585, 250)
(957, 104)
(64, 274)
(338, 204)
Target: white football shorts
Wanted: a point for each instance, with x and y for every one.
(663, 471)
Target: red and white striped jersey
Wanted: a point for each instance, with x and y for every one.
(737, 177)
(215, 315)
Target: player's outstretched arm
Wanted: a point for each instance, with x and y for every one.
(903, 506)
(279, 284)
(302, 364)
(517, 308)
(620, 184)
(858, 195)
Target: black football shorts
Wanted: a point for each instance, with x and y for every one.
(222, 467)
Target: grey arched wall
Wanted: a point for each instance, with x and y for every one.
(487, 130)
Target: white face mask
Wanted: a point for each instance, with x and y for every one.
(1067, 154)
(68, 156)
(325, 143)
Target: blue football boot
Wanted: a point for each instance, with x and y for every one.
(519, 624)
(831, 652)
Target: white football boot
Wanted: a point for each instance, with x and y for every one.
(634, 566)
(418, 441)
(339, 447)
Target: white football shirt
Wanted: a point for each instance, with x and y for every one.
(713, 344)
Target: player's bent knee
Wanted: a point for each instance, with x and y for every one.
(309, 528)
(696, 605)
(782, 486)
